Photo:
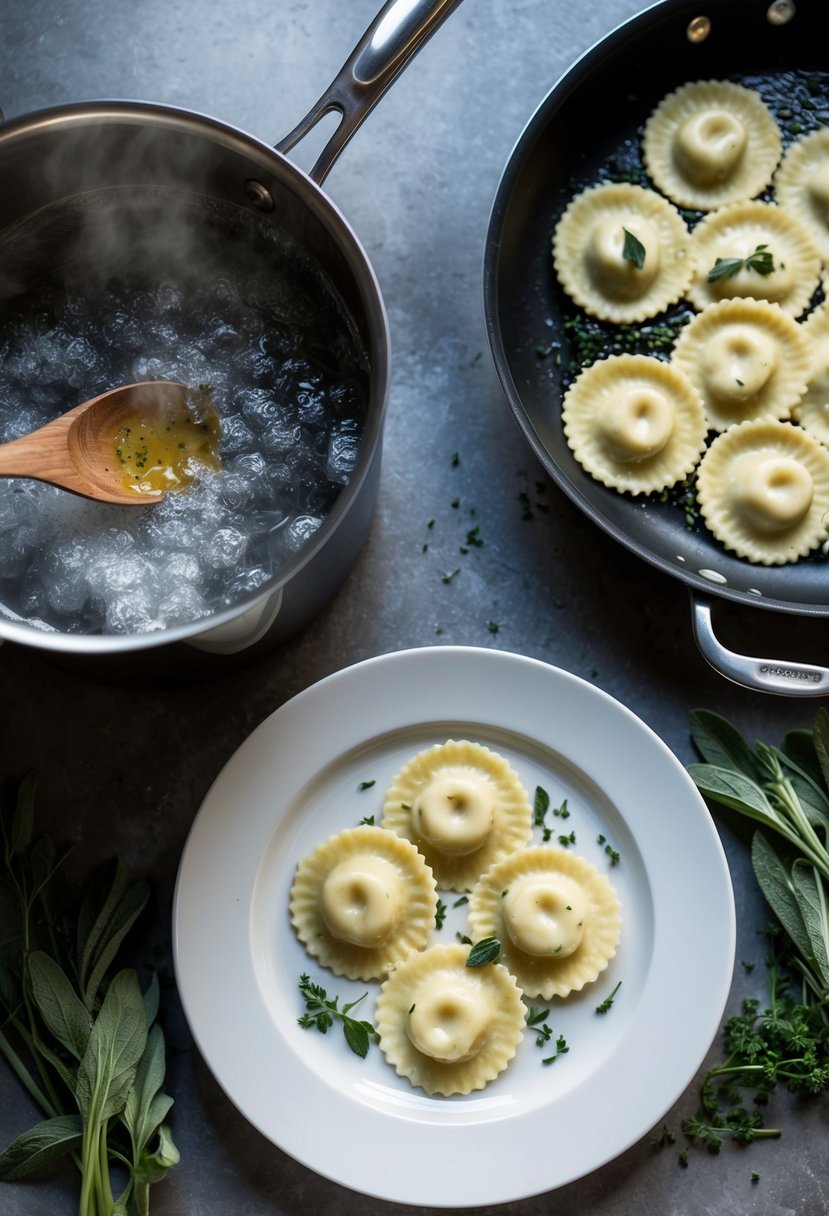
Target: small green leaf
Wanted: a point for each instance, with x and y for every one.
(485, 951)
(633, 250)
(357, 1036)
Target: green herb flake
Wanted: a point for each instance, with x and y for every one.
(633, 250)
(440, 914)
(607, 1003)
(485, 951)
(366, 785)
(760, 261)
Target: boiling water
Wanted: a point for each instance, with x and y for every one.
(112, 289)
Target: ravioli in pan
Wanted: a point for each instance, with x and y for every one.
(446, 1027)
(558, 919)
(635, 423)
(812, 411)
(801, 185)
(463, 806)
(622, 252)
(747, 358)
(754, 249)
(711, 142)
(763, 490)
(362, 900)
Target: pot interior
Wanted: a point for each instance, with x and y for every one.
(588, 129)
(134, 249)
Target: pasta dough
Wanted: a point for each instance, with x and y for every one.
(463, 806)
(737, 232)
(557, 918)
(589, 252)
(747, 358)
(763, 490)
(711, 142)
(801, 185)
(634, 423)
(446, 1027)
(362, 900)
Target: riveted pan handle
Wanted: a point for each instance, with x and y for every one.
(762, 675)
(397, 33)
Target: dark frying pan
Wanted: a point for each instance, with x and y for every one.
(596, 112)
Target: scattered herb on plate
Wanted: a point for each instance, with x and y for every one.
(321, 1011)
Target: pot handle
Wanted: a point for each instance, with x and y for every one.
(394, 37)
(779, 676)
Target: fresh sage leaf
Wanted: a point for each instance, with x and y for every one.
(810, 894)
(774, 880)
(116, 1044)
(485, 951)
(149, 1077)
(64, 1013)
(40, 1146)
(22, 824)
(102, 938)
(735, 790)
(721, 744)
(820, 735)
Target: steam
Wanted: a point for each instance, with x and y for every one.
(131, 268)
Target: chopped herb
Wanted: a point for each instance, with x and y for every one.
(493, 626)
(366, 785)
(455, 503)
(633, 250)
(565, 841)
(440, 914)
(665, 1137)
(561, 1050)
(463, 939)
(321, 1010)
(473, 537)
(460, 901)
(448, 575)
(526, 507)
(541, 803)
(606, 1004)
(455, 460)
(367, 822)
(536, 1020)
(483, 952)
(760, 260)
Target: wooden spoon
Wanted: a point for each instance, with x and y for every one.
(77, 451)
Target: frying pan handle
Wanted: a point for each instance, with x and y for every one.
(396, 35)
(762, 675)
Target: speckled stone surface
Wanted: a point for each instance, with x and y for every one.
(124, 768)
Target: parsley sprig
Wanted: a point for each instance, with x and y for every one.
(760, 260)
(321, 1011)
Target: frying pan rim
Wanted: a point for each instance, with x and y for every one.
(538, 124)
(377, 349)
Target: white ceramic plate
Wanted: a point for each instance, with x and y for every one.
(297, 780)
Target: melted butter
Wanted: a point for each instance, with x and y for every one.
(163, 449)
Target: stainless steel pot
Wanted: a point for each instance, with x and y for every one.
(595, 109)
(66, 152)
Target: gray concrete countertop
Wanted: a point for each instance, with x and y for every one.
(124, 767)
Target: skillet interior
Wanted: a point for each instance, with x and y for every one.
(599, 106)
